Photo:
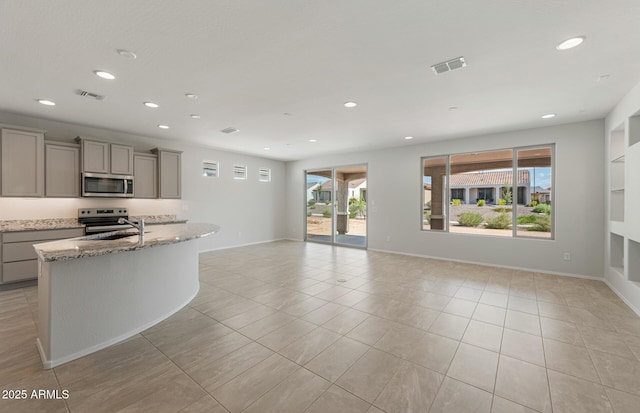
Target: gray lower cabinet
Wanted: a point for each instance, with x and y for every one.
(145, 173)
(22, 163)
(170, 173)
(62, 166)
(19, 259)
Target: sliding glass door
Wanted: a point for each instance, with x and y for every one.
(336, 205)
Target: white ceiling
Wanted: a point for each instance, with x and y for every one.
(252, 61)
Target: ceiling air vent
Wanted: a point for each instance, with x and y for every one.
(230, 130)
(86, 94)
(449, 65)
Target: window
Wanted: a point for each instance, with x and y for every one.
(264, 175)
(503, 193)
(240, 172)
(210, 168)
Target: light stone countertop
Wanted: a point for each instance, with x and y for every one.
(18, 225)
(93, 245)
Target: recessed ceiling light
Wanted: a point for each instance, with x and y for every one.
(549, 116)
(151, 105)
(408, 138)
(350, 104)
(194, 116)
(46, 102)
(313, 140)
(104, 75)
(163, 126)
(266, 148)
(191, 96)
(126, 53)
(571, 43)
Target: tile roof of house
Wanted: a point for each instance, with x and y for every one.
(327, 186)
(489, 178)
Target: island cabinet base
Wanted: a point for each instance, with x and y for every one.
(90, 303)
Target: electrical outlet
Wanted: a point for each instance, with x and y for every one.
(566, 256)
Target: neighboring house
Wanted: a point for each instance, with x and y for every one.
(469, 188)
(323, 192)
(540, 194)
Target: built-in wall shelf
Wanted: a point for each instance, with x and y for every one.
(634, 260)
(616, 253)
(619, 159)
(634, 129)
(617, 227)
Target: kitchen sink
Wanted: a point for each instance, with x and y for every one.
(114, 236)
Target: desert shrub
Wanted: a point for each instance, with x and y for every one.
(542, 208)
(327, 202)
(501, 209)
(308, 213)
(311, 202)
(502, 201)
(326, 213)
(456, 202)
(502, 221)
(528, 219)
(543, 224)
(470, 219)
(427, 216)
(481, 202)
(353, 209)
(353, 200)
(532, 203)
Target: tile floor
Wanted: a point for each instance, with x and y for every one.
(301, 327)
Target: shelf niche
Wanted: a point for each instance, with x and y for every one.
(634, 129)
(634, 260)
(616, 253)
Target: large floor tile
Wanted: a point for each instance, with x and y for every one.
(570, 359)
(606, 341)
(484, 335)
(501, 405)
(370, 374)
(525, 322)
(335, 399)
(307, 347)
(240, 392)
(490, 314)
(434, 352)
(561, 330)
(455, 396)
(573, 395)
(337, 358)
(292, 395)
(475, 366)
(523, 346)
(523, 383)
(617, 372)
(623, 402)
(412, 389)
(449, 325)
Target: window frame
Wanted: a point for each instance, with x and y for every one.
(514, 184)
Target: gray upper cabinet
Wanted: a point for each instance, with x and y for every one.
(96, 156)
(62, 166)
(121, 159)
(170, 173)
(145, 168)
(22, 163)
(104, 157)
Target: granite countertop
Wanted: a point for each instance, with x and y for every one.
(65, 223)
(93, 245)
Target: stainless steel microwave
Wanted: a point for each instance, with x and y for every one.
(107, 186)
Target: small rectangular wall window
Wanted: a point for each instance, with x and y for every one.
(210, 169)
(264, 175)
(240, 172)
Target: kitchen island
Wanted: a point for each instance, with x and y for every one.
(94, 292)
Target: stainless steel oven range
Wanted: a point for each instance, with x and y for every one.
(97, 220)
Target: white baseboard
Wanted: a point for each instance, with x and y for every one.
(484, 264)
(243, 245)
(623, 298)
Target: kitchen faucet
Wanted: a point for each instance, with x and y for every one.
(139, 226)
